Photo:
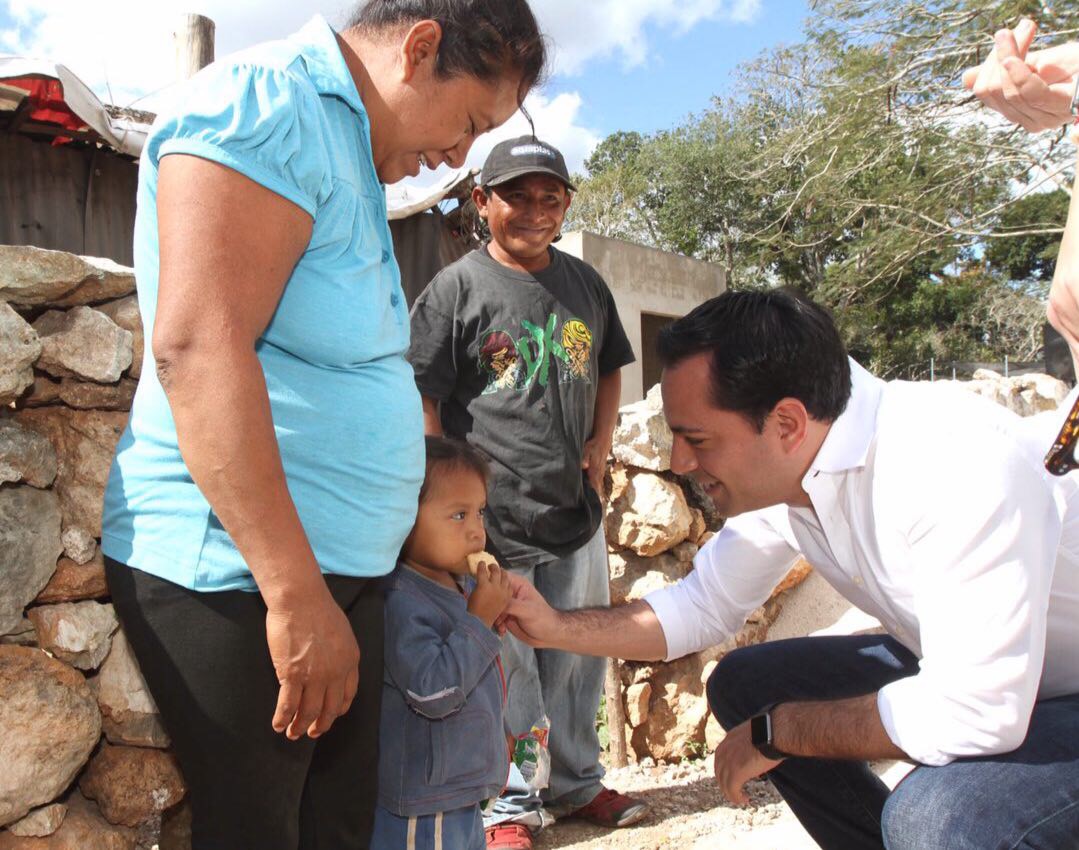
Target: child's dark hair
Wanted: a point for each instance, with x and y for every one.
(444, 454)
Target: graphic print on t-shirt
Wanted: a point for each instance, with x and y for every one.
(516, 364)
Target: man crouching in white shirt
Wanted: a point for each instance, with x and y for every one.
(924, 505)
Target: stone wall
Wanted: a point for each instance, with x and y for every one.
(84, 755)
(656, 522)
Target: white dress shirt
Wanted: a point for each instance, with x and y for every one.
(933, 512)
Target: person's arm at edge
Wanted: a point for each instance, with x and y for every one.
(432, 422)
(227, 248)
(1063, 312)
(630, 631)
(837, 729)
(598, 446)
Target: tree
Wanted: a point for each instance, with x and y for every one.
(855, 168)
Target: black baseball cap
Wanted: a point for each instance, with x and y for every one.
(523, 155)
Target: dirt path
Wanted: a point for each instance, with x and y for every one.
(687, 812)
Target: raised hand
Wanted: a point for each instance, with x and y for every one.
(1033, 89)
(491, 594)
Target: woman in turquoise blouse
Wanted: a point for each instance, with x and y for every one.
(271, 466)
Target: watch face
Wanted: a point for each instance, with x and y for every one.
(760, 733)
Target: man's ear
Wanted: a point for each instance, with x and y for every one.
(419, 48)
(792, 423)
(479, 198)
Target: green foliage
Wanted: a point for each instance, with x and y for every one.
(856, 169)
(1032, 253)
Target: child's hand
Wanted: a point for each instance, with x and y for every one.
(492, 593)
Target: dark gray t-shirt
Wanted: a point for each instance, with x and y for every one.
(515, 360)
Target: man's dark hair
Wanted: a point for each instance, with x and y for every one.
(446, 454)
(764, 346)
(485, 39)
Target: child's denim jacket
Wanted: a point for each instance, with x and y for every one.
(442, 743)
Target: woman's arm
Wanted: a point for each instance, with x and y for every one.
(227, 249)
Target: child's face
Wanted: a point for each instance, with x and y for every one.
(449, 523)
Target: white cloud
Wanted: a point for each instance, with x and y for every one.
(584, 30)
(126, 45)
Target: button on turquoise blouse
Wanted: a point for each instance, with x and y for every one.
(346, 412)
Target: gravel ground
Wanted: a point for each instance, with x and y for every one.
(687, 812)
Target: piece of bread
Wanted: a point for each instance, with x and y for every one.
(476, 557)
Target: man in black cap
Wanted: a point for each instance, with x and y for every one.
(517, 349)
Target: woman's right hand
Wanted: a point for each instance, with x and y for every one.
(317, 662)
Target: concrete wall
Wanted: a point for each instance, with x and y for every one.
(645, 281)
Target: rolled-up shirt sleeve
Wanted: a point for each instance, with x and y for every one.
(733, 575)
(982, 571)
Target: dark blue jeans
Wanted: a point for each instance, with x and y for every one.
(1027, 799)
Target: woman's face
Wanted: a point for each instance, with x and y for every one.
(428, 120)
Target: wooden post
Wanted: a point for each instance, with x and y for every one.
(194, 38)
(616, 713)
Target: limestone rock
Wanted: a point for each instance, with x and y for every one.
(125, 313)
(32, 277)
(651, 516)
(797, 574)
(19, 349)
(29, 547)
(79, 544)
(44, 391)
(86, 396)
(697, 526)
(85, 441)
(128, 710)
(686, 551)
(50, 724)
(1022, 394)
(83, 829)
(674, 726)
(637, 697)
(642, 437)
(83, 343)
(75, 632)
(619, 481)
(634, 577)
(25, 456)
(677, 723)
(74, 582)
(133, 785)
(40, 822)
(22, 634)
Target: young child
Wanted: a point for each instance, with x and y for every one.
(442, 741)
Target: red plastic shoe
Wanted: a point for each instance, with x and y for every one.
(508, 836)
(611, 809)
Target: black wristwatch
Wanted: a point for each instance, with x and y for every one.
(761, 734)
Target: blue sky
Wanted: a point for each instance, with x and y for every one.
(619, 64)
(682, 73)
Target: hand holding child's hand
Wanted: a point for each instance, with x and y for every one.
(491, 594)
